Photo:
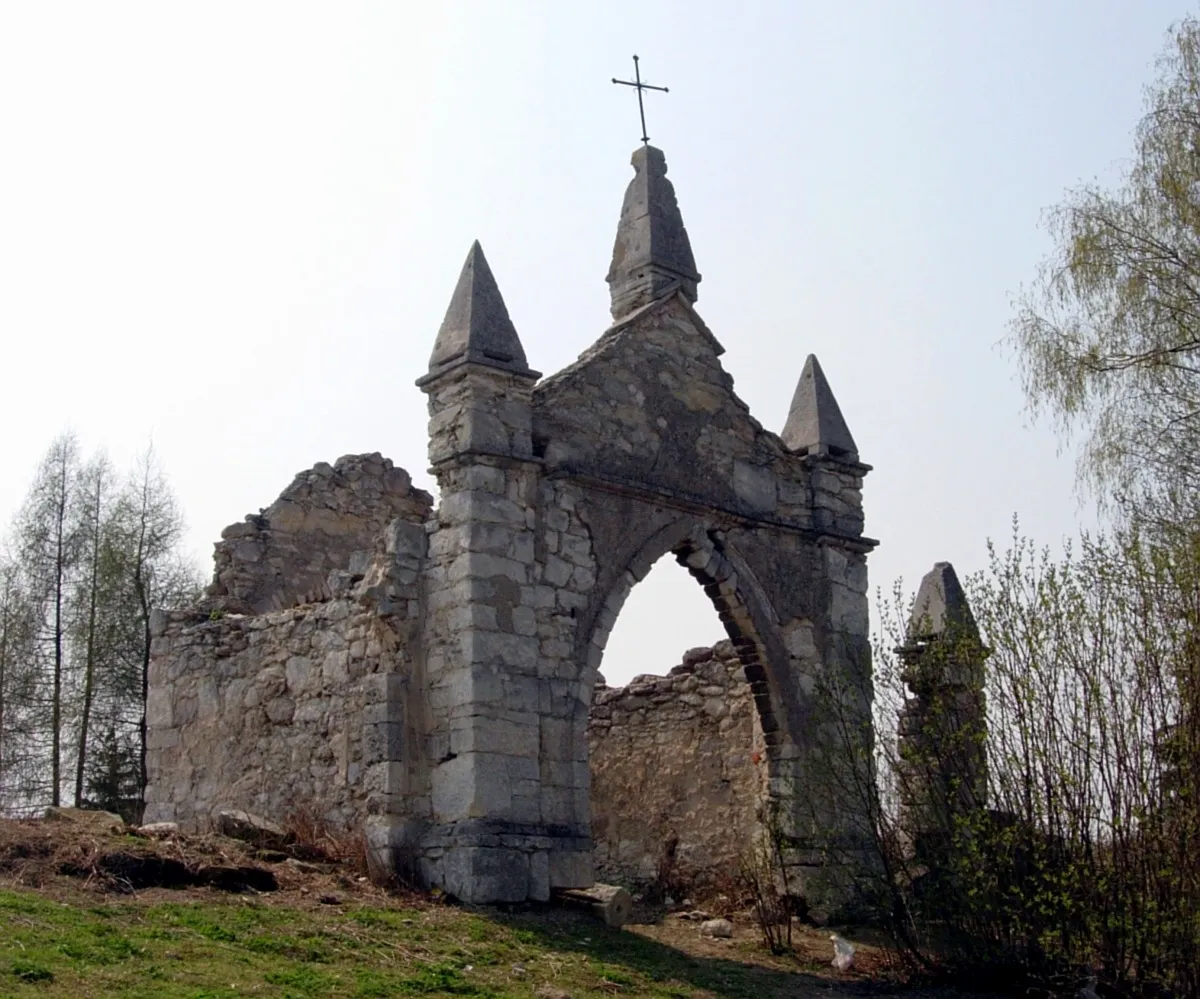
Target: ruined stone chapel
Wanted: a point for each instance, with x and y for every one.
(429, 674)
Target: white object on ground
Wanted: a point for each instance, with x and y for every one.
(716, 928)
(843, 952)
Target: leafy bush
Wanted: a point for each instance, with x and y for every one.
(1082, 857)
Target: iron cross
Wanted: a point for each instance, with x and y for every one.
(637, 83)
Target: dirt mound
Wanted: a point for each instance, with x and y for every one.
(74, 850)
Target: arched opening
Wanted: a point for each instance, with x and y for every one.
(664, 615)
(679, 755)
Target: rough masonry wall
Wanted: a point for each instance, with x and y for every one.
(313, 707)
(260, 712)
(679, 773)
(328, 518)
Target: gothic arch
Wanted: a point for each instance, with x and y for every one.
(739, 600)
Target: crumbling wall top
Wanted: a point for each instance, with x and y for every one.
(330, 517)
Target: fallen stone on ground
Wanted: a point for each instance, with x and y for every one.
(95, 820)
(159, 830)
(263, 833)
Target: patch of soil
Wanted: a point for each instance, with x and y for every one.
(66, 855)
(130, 871)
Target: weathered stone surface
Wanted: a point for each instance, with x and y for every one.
(477, 327)
(815, 423)
(652, 254)
(263, 833)
(88, 818)
(941, 606)
(612, 903)
(677, 779)
(283, 555)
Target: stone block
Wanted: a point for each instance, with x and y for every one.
(479, 565)
(754, 486)
(518, 652)
(490, 734)
(208, 700)
(482, 875)
(472, 785)
(539, 876)
(557, 572)
(280, 710)
(382, 742)
(158, 707)
(577, 550)
(296, 673)
(563, 739)
(524, 621)
(485, 477)
(571, 869)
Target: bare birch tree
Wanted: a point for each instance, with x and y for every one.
(150, 526)
(93, 599)
(17, 681)
(47, 540)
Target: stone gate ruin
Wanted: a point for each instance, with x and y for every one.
(427, 673)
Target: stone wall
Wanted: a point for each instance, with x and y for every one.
(311, 707)
(329, 517)
(262, 713)
(679, 773)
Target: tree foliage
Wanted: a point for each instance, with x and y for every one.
(1081, 859)
(1108, 337)
(87, 559)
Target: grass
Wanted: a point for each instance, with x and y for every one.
(221, 948)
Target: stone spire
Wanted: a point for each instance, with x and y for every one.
(815, 423)
(477, 328)
(652, 255)
(941, 607)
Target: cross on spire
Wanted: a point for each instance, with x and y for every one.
(637, 83)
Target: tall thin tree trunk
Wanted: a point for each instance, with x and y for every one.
(90, 660)
(143, 777)
(5, 627)
(60, 559)
(141, 586)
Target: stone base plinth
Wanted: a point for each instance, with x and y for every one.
(482, 861)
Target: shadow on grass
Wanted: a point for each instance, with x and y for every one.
(615, 954)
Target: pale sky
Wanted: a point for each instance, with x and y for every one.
(235, 228)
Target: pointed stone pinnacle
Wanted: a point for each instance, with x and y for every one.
(815, 422)
(477, 328)
(652, 255)
(941, 606)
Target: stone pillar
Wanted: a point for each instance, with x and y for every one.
(486, 841)
(481, 642)
(394, 768)
(943, 726)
